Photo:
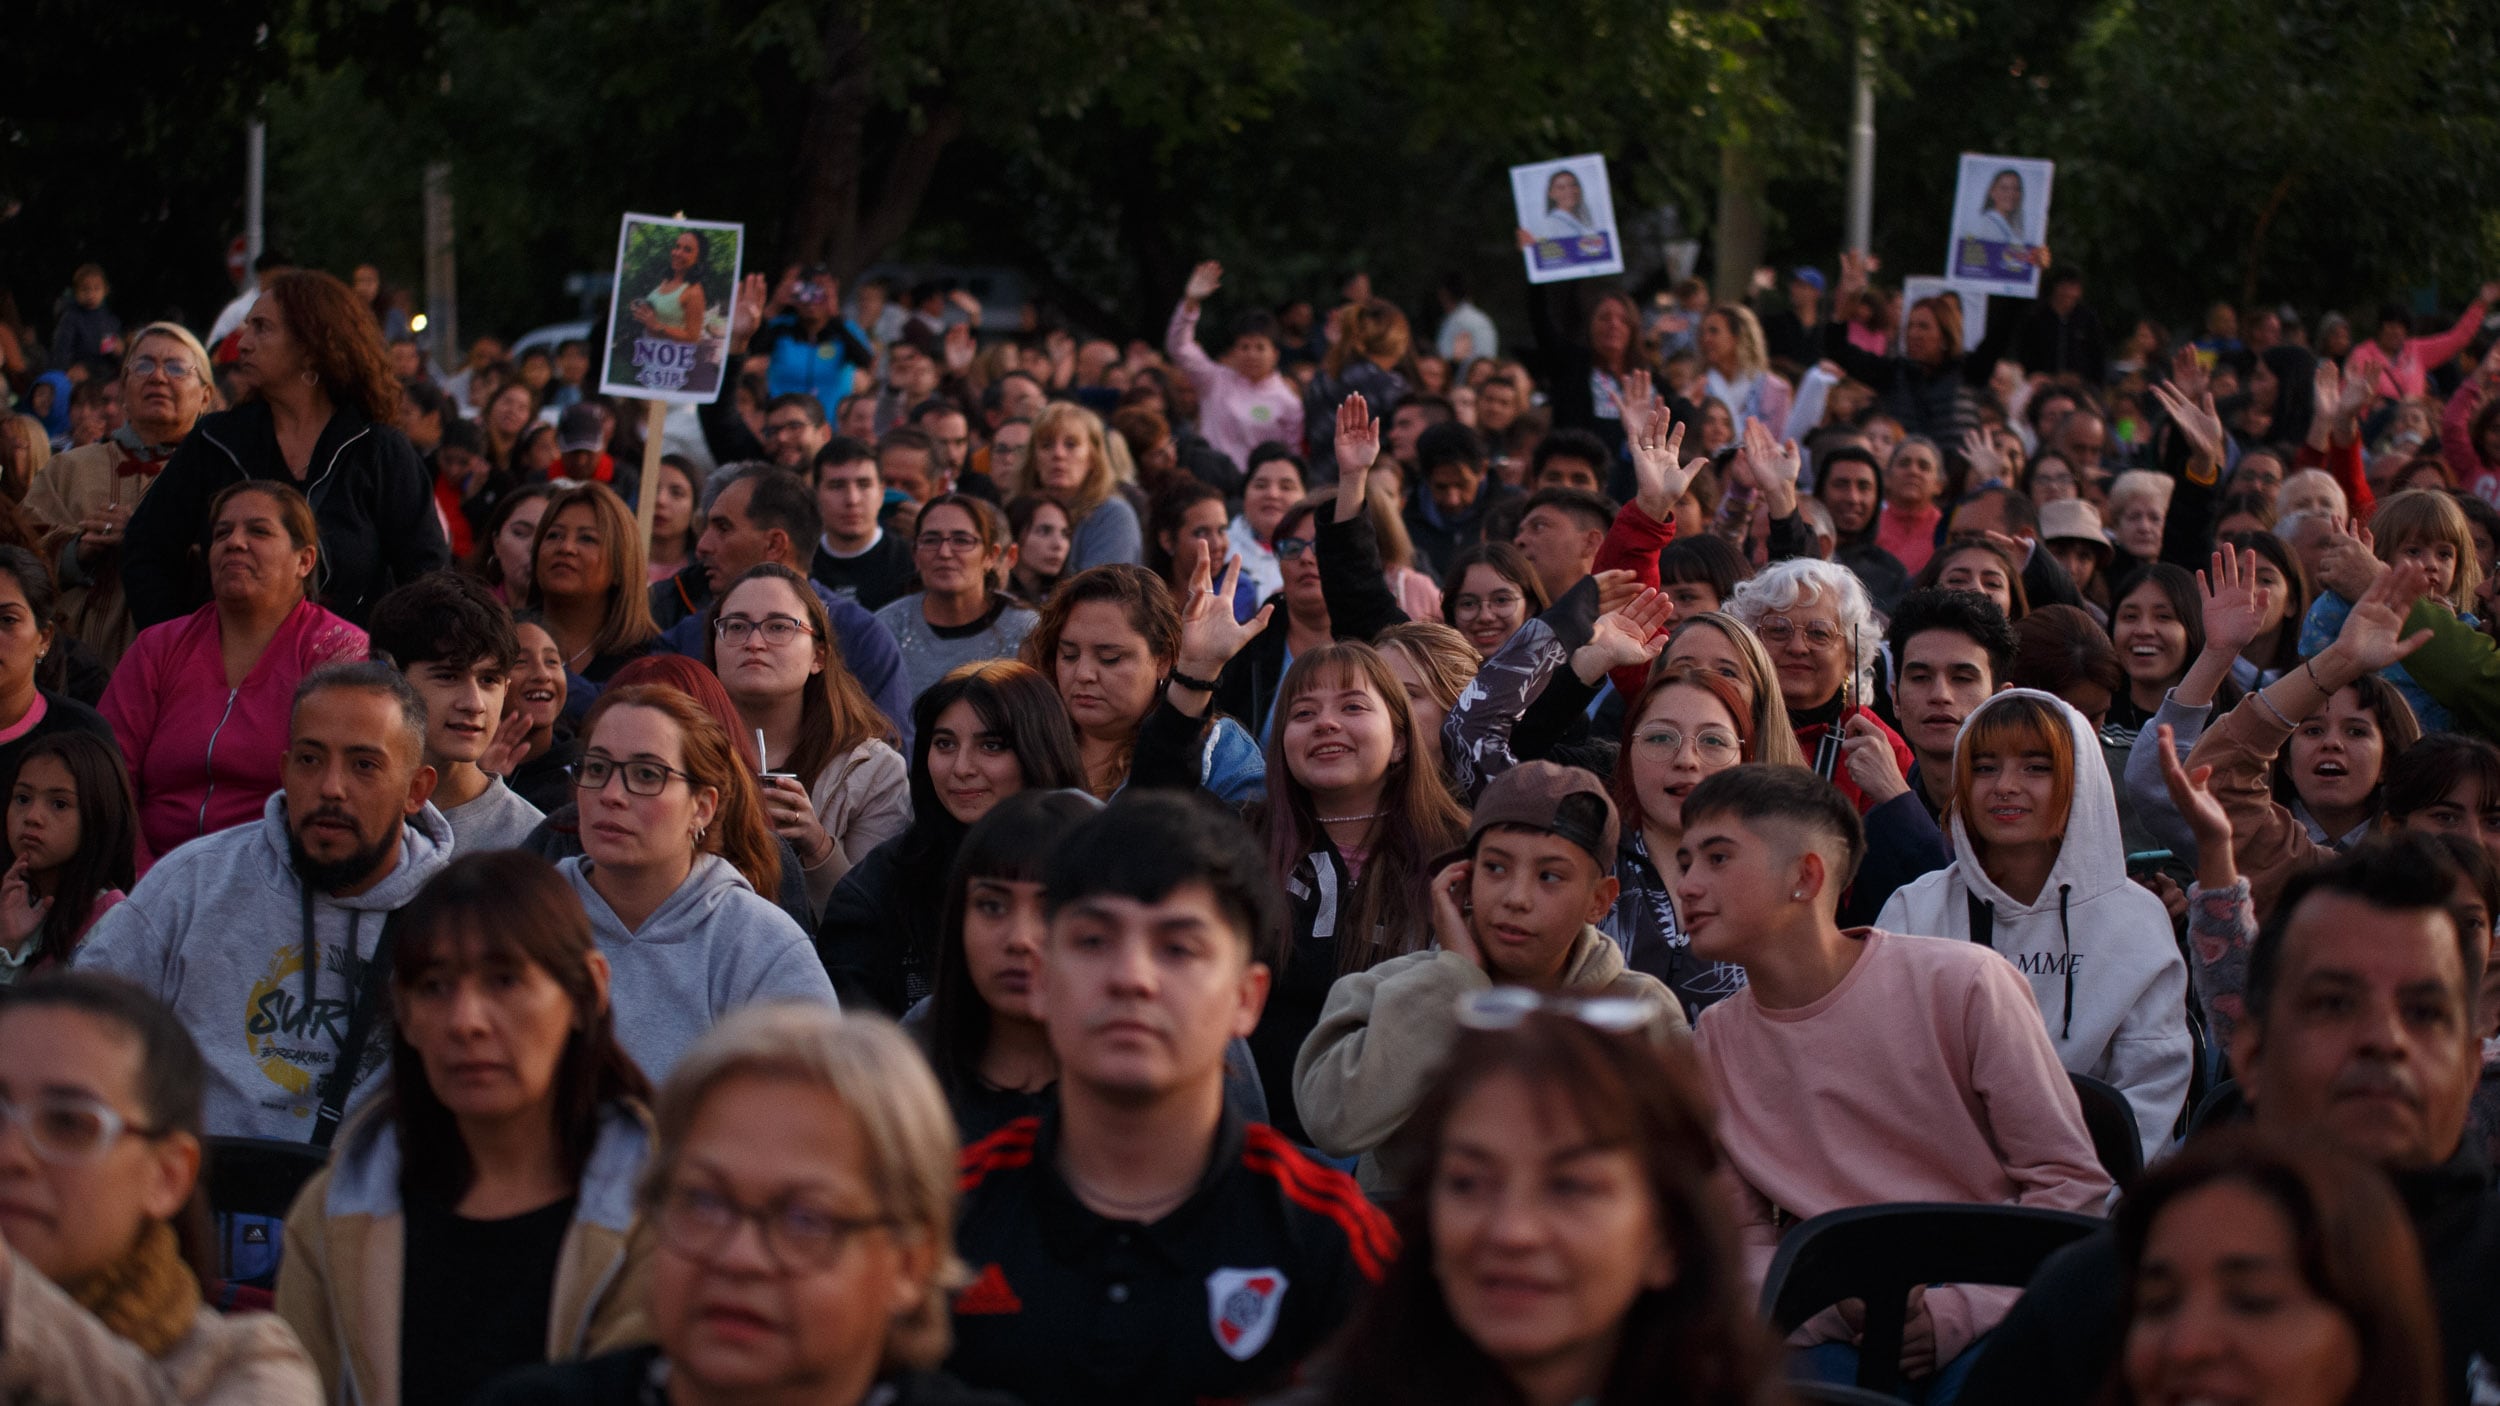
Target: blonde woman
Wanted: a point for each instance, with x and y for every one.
(1070, 463)
(1738, 367)
(1435, 663)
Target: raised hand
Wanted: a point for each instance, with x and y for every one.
(2356, 397)
(1855, 266)
(1210, 637)
(1657, 446)
(2373, 636)
(2200, 423)
(1640, 399)
(1629, 635)
(21, 913)
(2193, 793)
(1450, 927)
(2229, 600)
(746, 312)
(1772, 465)
(2187, 372)
(1616, 589)
(508, 746)
(1358, 448)
(1986, 464)
(2346, 564)
(1203, 281)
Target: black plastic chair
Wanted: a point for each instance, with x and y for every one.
(1834, 1394)
(2110, 1119)
(2222, 1104)
(255, 1176)
(1877, 1254)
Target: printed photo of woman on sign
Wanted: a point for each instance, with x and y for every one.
(1566, 223)
(2000, 222)
(668, 321)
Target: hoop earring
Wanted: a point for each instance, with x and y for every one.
(312, 378)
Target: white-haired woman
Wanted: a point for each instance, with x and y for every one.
(1814, 620)
(2139, 502)
(803, 1198)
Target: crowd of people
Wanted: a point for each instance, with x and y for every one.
(1309, 862)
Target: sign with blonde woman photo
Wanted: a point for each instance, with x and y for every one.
(1566, 219)
(2001, 223)
(668, 315)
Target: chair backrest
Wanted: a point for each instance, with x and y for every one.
(1877, 1254)
(255, 1176)
(1835, 1394)
(2110, 1119)
(2221, 1104)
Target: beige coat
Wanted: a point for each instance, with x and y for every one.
(339, 1284)
(56, 1351)
(863, 799)
(66, 492)
(1385, 1033)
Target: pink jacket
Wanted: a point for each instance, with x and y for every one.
(203, 756)
(2456, 441)
(2408, 375)
(1235, 414)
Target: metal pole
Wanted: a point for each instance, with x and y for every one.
(255, 186)
(1862, 143)
(442, 302)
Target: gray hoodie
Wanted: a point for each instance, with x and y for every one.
(218, 931)
(712, 947)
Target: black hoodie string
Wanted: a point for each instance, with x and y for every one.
(2069, 934)
(312, 949)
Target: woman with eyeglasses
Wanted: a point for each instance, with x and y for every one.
(803, 1197)
(1814, 620)
(1496, 592)
(83, 498)
(480, 1216)
(832, 784)
(675, 855)
(104, 1238)
(1569, 1241)
(982, 734)
(959, 616)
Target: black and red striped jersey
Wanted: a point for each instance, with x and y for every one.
(1219, 1301)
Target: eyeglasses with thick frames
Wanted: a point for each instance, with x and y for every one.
(699, 1222)
(735, 630)
(641, 778)
(176, 369)
(71, 1130)
(1778, 631)
(1716, 746)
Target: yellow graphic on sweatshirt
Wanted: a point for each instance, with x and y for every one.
(294, 1042)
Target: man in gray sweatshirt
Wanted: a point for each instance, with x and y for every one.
(260, 936)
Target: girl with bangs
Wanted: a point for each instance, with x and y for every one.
(1355, 813)
(2424, 527)
(480, 1216)
(2039, 874)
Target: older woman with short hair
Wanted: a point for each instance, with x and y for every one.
(804, 1175)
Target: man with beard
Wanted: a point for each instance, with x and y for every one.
(267, 939)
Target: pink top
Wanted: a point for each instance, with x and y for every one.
(26, 724)
(1926, 1075)
(203, 756)
(1235, 413)
(2408, 373)
(1910, 537)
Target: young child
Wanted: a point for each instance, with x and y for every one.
(2423, 526)
(73, 840)
(1858, 1067)
(455, 644)
(1242, 401)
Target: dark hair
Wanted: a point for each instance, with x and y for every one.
(1754, 793)
(1268, 451)
(1966, 613)
(2021, 514)
(940, 404)
(108, 836)
(507, 908)
(1507, 562)
(2352, 1240)
(2058, 646)
(1165, 511)
(1931, 576)
(2421, 775)
(625, 623)
(801, 401)
(905, 438)
(2394, 870)
(483, 563)
(34, 581)
(2286, 651)
(781, 499)
(172, 1082)
(341, 342)
(1013, 842)
(2179, 586)
(1448, 442)
(1571, 443)
(295, 511)
(843, 449)
(2250, 504)
(1141, 597)
(1148, 843)
(1840, 454)
(1696, 1340)
(442, 617)
(1593, 510)
(426, 397)
(1708, 560)
(367, 676)
(1254, 323)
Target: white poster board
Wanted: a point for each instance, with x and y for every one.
(2000, 223)
(1972, 296)
(1566, 219)
(668, 313)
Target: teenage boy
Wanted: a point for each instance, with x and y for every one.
(1140, 1243)
(1857, 1067)
(1517, 908)
(1452, 496)
(454, 644)
(1951, 650)
(856, 559)
(1560, 530)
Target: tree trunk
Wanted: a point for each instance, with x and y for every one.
(908, 172)
(825, 174)
(1737, 238)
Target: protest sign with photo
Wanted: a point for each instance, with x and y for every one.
(668, 315)
(2000, 223)
(1566, 219)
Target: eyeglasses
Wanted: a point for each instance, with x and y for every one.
(176, 371)
(1500, 602)
(71, 1130)
(798, 1238)
(641, 778)
(1287, 548)
(1508, 1007)
(1716, 746)
(735, 630)
(1778, 631)
(963, 542)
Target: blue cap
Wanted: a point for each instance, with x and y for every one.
(1810, 277)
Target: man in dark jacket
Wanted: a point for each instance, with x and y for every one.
(2062, 337)
(1446, 511)
(2359, 1034)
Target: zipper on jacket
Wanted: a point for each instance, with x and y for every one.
(208, 763)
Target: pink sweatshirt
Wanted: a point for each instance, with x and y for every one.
(1910, 537)
(1235, 414)
(1926, 1075)
(2408, 374)
(204, 756)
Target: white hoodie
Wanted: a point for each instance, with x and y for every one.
(2096, 946)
